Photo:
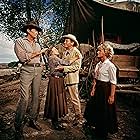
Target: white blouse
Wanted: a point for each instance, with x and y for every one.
(106, 71)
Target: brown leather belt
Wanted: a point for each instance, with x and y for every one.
(34, 65)
(56, 76)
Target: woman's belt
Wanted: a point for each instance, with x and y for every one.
(57, 76)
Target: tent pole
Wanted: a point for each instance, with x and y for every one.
(102, 28)
(93, 36)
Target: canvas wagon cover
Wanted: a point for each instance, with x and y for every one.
(119, 20)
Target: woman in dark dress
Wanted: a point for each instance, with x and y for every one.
(101, 110)
(55, 104)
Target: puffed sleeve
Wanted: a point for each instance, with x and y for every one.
(112, 74)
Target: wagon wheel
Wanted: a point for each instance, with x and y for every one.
(86, 74)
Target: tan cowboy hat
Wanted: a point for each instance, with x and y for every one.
(31, 24)
(72, 37)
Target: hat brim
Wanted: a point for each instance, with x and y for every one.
(75, 41)
(25, 27)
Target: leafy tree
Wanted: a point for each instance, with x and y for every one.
(50, 14)
(13, 64)
(11, 12)
(16, 12)
(55, 18)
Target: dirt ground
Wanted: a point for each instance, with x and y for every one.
(127, 110)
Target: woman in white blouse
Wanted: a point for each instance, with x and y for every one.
(101, 110)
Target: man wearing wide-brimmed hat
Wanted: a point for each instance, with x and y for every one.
(29, 53)
(72, 74)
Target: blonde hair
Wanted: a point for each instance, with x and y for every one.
(109, 52)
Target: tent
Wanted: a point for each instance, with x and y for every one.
(121, 21)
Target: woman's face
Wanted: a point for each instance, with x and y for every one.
(100, 52)
(55, 51)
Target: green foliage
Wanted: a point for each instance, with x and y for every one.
(13, 64)
(14, 13)
(51, 17)
(55, 18)
(12, 17)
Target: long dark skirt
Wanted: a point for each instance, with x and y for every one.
(99, 112)
(55, 105)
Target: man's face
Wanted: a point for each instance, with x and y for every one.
(33, 33)
(68, 43)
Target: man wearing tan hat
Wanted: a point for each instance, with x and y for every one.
(72, 74)
(29, 53)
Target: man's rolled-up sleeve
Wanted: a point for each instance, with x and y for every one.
(21, 53)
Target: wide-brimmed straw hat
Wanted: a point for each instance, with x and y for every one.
(32, 25)
(72, 37)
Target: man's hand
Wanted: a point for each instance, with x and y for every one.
(59, 68)
(35, 54)
(43, 50)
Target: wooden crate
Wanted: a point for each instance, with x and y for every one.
(127, 65)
